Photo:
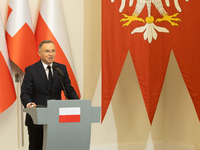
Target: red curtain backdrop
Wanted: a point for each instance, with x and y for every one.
(150, 45)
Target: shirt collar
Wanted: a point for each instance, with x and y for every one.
(45, 65)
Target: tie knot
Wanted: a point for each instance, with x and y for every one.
(49, 67)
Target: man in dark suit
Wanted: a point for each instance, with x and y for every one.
(42, 83)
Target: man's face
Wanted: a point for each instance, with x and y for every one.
(47, 53)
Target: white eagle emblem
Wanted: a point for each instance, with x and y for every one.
(149, 28)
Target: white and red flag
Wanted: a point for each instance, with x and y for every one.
(69, 114)
(19, 34)
(51, 26)
(7, 90)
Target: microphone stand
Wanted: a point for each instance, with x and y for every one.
(59, 75)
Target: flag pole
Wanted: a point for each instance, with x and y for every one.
(19, 109)
(18, 118)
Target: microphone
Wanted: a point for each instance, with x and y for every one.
(55, 67)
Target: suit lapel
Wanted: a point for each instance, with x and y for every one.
(55, 78)
(43, 75)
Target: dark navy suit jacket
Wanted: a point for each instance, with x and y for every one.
(35, 87)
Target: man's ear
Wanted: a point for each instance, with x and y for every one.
(39, 53)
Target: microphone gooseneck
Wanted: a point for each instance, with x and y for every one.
(60, 73)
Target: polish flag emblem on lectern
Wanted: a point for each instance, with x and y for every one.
(69, 114)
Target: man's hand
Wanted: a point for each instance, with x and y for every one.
(31, 105)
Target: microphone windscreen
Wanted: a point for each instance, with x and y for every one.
(54, 66)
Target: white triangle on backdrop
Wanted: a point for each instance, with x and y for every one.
(103, 132)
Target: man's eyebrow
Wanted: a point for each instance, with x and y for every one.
(49, 49)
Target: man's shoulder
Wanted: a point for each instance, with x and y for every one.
(33, 65)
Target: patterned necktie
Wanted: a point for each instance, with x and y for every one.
(50, 78)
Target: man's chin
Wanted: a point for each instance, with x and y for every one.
(50, 61)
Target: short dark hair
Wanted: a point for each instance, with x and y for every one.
(45, 41)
